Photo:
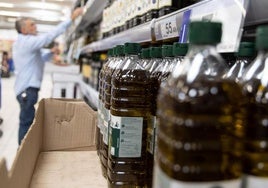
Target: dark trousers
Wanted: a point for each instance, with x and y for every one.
(27, 100)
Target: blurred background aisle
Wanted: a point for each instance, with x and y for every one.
(10, 113)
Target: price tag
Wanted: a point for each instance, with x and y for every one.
(169, 28)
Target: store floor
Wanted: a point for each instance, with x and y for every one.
(10, 113)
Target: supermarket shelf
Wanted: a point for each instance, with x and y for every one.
(141, 33)
(90, 93)
(92, 14)
(175, 25)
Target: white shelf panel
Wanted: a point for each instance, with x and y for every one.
(175, 25)
(231, 13)
(141, 33)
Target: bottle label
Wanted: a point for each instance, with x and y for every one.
(102, 117)
(151, 135)
(163, 3)
(256, 182)
(126, 136)
(162, 180)
(106, 125)
(99, 113)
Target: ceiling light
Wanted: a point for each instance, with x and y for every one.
(6, 5)
(43, 5)
(11, 19)
(45, 13)
(10, 13)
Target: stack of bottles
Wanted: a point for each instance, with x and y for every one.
(128, 87)
(200, 119)
(171, 119)
(125, 14)
(255, 85)
(212, 128)
(91, 67)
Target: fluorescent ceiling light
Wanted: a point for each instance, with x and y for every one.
(7, 5)
(45, 13)
(44, 5)
(10, 13)
(11, 19)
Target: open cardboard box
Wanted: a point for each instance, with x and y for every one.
(58, 150)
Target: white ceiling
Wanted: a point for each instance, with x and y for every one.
(46, 12)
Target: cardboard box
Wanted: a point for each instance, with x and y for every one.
(58, 150)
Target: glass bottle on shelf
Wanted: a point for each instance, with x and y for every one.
(168, 6)
(255, 86)
(200, 119)
(152, 11)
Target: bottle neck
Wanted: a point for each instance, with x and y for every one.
(196, 48)
(244, 59)
(132, 56)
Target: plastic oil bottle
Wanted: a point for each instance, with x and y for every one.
(200, 119)
(179, 52)
(167, 64)
(244, 57)
(100, 127)
(130, 113)
(152, 67)
(105, 108)
(145, 57)
(99, 112)
(255, 85)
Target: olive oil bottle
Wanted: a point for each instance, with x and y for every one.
(145, 57)
(99, 129)
(255, 86)
(179, 52)
(244, 57)
(200, 128)
(106, 103)
(130, 114)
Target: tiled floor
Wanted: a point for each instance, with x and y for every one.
(10, 113)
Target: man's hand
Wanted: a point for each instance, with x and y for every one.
(77, 12)
(55, 50)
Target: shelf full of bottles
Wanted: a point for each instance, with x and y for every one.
(150, 27)
(204, 136)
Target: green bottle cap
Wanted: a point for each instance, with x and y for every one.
(167, 51)
(205, 32)
(180, 49)
(119, 50)
(110, 52)
(145, 53)
(95, 56)
(246, 49)
(262, 38)
(156, 52)
(132, 48)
